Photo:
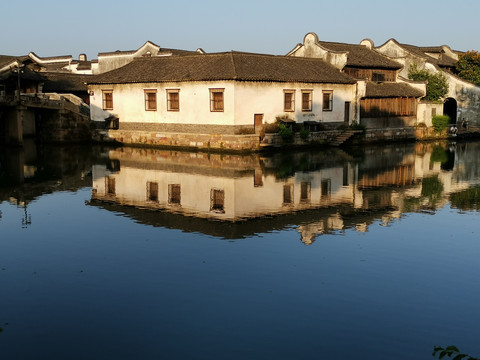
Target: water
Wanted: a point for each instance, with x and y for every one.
(148, 254)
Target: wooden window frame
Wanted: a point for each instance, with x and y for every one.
(107, 104)
(171, 102)
(307, 103)
(150, 104)
(288, 199)
(152, 191)
(216, 104)
(215, 204)
(289, 104)
(329, 94)
(174, 194)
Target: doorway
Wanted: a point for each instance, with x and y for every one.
(258, 124)
(450, 109)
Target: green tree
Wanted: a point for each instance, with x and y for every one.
(437, 85)
(468, 66)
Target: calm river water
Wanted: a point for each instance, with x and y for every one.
(369, 253)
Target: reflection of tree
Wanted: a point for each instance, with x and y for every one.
(452, 352)
(466, 200)
(432, 188)
(439, 154)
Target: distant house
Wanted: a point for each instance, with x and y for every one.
(384, 98)
(108, 61)
(463, 99)
(18, 74)
(223, 93)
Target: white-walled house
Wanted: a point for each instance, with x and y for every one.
(463, 99)
(219, 94)
(385, 98)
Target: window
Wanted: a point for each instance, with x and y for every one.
(107, 99)
(151, 100)
(327, 100)
(306, 100)
(288, 194)
(173, 100)
(378, 77)
(326, 187)
(217, 200)
(110, 184)
(174, 194)
(152, 191)
(216, 99)
(305, 192)
(289, 100)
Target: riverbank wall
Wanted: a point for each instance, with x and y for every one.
(253, 142)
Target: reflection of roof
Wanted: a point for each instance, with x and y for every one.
(391, 89)
(64, 82)
(361, 56)
(240, 229)
(225, 66)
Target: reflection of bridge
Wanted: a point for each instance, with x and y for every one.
(50, 117)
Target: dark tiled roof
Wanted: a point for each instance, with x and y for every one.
(391, 89)
(421, 51)
(84, 65)
(361, 56)
(6, 59)
(225, 66)
(65, 82)
(25, 73)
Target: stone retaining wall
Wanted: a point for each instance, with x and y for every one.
(186, 140)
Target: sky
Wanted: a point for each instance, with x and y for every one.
(54, 28)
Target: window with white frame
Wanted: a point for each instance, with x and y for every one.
(107, 99)
(151, 100)
(173, 100)
(288, 100)
(327, 100)
(307, 100)
(216, 100)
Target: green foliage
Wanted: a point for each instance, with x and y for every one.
(304, 133)
(437, 85)
(467, 199)
(468, 66)
(440, 122)
(432, 188)
(439, 154)
(285, 132)
(452, 352)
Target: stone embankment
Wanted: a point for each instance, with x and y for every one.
(252, 142)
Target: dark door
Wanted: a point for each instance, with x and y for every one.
(347, 112)
(258, 122)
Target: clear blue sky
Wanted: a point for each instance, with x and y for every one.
(51, 28)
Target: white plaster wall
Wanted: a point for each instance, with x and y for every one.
(241, 101)
(129, 103)
(268, 99)
(312, 49)
(425, 112)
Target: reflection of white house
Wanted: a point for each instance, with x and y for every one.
(196, 185)
(220, 94)
(463, 98)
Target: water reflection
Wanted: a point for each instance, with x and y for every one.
(319, 192)
(31, 171)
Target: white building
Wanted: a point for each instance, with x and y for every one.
(223, 93)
